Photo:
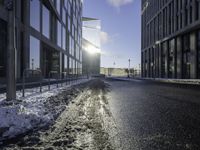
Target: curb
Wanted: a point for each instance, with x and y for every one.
(173, 81)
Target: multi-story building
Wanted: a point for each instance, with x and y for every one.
(171, 39)
(48, 36)
(91, 44)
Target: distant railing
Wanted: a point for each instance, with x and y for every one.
(49, 78)
(24, 76)
(58, 78)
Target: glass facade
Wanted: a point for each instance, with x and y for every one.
(171, 58)
(45, 22)
(172, 22)
(34, 60)
(55, 36)
(35, 14)
(91, 46)
(70, 66)
(163, 56)
(65, 63)
(64, 16)
(186, 57)
(59, 34)
(58, 3)
(64, 38)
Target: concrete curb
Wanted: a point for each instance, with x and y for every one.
(175, 81)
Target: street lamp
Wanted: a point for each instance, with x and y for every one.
(11, 81)
(129, 65)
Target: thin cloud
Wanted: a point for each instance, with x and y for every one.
(119, 3)
(106, 38)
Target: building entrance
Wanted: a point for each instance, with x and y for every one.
(51, 61)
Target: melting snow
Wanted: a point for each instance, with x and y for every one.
(24, 114)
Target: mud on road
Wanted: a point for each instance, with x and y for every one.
(85, 122)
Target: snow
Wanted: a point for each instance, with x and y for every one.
(25, 114)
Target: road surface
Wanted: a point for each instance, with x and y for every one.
(156, 116)
(120, 115)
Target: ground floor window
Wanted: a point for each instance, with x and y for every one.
(65, 64)
(171, 57)
(34, 53)
(186, 57)
(163, 55)
(3, 48)
(152, 62)
(70, 66)
(50, 61)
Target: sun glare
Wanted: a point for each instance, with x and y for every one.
(92, 49)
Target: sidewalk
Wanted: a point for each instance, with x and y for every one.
(164, 80)
(35, 110)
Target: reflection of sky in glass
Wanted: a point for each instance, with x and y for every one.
(64, 38)
(91, 31)
(35, 14)
(59, 34)
(45, 22)
(34, 53)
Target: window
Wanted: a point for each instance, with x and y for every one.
(171, 57)
(64, 16)
(35, 14)
(197, 10)
(65, 3)
(66, 64)
(64, 38)
(34, 53)
(74, 67)
(163, 57)
(72, 46)
(69, 24)
(59, 34)
(186, 56)
(58, 6)
(45, 22)
(70, 65)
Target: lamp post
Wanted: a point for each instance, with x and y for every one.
(11, 48)
(113, 68)
(129, 64)
(139, 70)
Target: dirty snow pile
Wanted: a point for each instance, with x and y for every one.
(25, 114)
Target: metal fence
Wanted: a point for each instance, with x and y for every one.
(54, 78)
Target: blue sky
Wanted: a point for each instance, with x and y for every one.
(121, 30)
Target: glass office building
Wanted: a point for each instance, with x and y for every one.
(171, 39)
(48, 36)
(91, 44)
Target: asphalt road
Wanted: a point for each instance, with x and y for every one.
(156, 116)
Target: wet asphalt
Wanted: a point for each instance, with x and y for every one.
(156, 116)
